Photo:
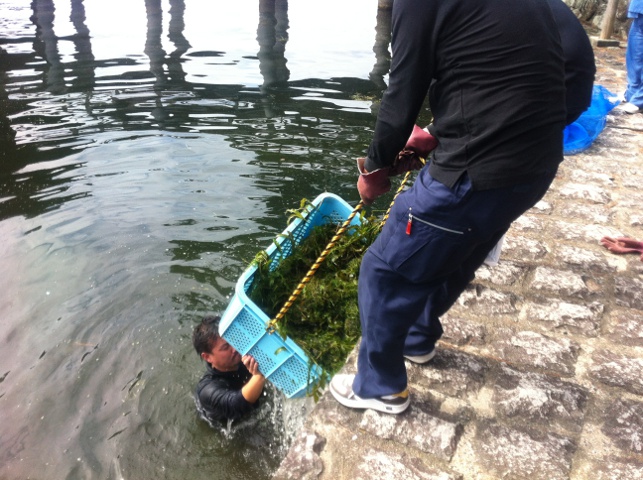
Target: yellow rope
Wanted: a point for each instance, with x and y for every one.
(272, 325)
(407, 175)
(313, 269)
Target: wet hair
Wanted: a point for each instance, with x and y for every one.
(206, 334)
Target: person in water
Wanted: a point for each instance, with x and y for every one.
(232, 384)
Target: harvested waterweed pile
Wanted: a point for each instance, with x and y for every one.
(324, 320)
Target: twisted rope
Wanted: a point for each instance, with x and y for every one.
(272, 325)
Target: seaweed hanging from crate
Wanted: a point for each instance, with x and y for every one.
(324, 320)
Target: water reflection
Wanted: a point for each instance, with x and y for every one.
(7, 134)
(272, 35)
(161, 98)
(46, 45)
(381, 47)
(153, 48)
(84, 68)
(141, 168)
(181, 44)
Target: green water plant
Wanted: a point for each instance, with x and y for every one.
(324, 319)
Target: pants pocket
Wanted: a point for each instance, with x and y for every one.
(421, 249)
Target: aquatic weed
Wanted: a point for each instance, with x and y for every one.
(324, 320)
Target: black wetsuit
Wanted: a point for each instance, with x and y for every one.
(218, 394)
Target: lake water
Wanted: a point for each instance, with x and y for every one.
(149, 149)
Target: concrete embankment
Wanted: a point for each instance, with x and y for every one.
(538, 374)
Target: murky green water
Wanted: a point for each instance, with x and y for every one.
(149, 150)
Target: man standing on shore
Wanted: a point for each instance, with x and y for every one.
(495, 74)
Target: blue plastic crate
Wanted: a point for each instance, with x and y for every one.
(244, 325)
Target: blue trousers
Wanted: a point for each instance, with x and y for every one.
(634, 63)
(428, 251)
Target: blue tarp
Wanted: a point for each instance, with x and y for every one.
(579, 135)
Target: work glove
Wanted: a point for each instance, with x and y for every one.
(623, 245)
(417, 148)
(371, 185)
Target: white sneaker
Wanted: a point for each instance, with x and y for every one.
(421, 359)
(630, 108)
(341, 386)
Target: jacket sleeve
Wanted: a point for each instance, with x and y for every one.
(412, 63)
(221, 402)
(580, 67)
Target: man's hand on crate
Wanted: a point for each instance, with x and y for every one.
(251, 391)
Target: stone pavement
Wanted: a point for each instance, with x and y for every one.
(539, 373)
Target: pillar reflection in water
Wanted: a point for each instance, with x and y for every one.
(46, 45)
(156, 54)
(153, 48)
(7, 134)
(181, 44)
(272, 35)
(84, 69)
(381, 47)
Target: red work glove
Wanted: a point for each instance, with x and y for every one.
(623, 245)
(371, 185)
(418, 147)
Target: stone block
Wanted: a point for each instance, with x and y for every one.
(633, 179)
(450, 372)
(415, 428)
(505, 273)
(485, 301)
(591, 233)
(628, 292)
(536, 350)
(528, 222)
(618, 468)
(559, 282)
(626, 327)
(604, 42)
(584, 319)
(515, 455)
(543, 207)
(384, 465)
(582, 260)
(460, 331)
(539, 399)
(624, 425)
(590, 213)
(302, 461)
(333, 413)
(634, 199)
(523, 250)
(584, 191)
(618, 370)
(579, 176)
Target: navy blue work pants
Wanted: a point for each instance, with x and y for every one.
(427, 253)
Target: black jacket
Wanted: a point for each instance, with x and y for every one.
(494, 71)
(580, 68)
(218, 394)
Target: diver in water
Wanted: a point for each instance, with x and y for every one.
(233, 384)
